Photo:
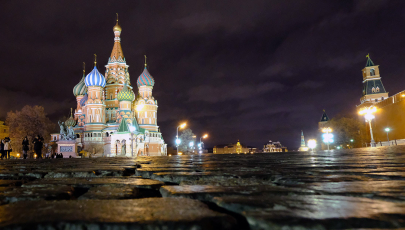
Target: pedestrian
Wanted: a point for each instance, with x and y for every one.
(7, 147)
(2, 148)
(38, 146)
(25, 147)
(61, 155)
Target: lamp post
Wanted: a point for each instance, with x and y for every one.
(388, 139)
(368, 115)
(201, 144)
(327, 136)
(177, 136)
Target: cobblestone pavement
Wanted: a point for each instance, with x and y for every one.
(348, 189)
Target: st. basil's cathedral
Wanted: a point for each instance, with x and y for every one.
(109, 113)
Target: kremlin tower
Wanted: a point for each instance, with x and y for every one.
(108, 113)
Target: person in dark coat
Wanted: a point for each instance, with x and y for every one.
(2, 148)
(25, 147)
(38, 144)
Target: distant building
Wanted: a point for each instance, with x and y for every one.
(274, 147)
(4, 130)
(303, 147)
(323, 123)
(230, 148)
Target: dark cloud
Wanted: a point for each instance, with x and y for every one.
(249, 70)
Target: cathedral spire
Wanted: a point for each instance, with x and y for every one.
(117, 55)
(369, 61)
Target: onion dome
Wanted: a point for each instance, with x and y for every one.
(145, 79)
(84, 100)
(95, 78)
(117, 27)
(70, 121)
(80, 88)
(126, 94)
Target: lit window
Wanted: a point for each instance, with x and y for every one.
(372, 72)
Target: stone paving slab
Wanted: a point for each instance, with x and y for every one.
(315, 211)
(55, 192)
(91, 182)
(111, 193)
(208, 192)
(147, 213)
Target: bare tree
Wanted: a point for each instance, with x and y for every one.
(29, 121)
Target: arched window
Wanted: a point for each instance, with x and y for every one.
(106, 134)
(377, 89)
(111, 96)
(77, 136)
(373, 90)
(372, 72)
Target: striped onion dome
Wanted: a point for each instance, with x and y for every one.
(145, 79)
(84, 100)
(94, 78)
(126, 94)
(80, 88)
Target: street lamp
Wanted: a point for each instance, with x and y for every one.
(387, 130)
(312, 144)
(200, 145)
(327, 136)
(178, 141)
(368, 115)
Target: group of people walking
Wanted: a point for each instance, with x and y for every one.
(6, 147)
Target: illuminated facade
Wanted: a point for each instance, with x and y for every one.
(231, 148)
(109, 113)
(4, 130)
(273, 147)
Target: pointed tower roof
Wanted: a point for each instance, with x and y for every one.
(117, 55)
(324, 117)
(123, 128)
(369, 61)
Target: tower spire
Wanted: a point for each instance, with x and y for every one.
(84, 68)
(117, 55)
(95, 60)
(145, 61)
(369, 61)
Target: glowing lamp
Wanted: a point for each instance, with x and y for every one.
(312, 143)
(178, 141)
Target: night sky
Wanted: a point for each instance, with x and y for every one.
(248, 70)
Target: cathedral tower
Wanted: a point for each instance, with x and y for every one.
(146, 105)
(125, 97)
(95, 107)
(116, 75)
(373, 89)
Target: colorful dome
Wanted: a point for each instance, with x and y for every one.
(84, 100)
(126, 94)
(70, 121)
(145, 79)
(80, 88)
(95, 78)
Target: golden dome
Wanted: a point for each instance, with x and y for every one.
(117, 27)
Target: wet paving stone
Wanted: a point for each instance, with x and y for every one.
(208, 192)
(315, 212)
(350, 189)
(91, 182)
(146, 213)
